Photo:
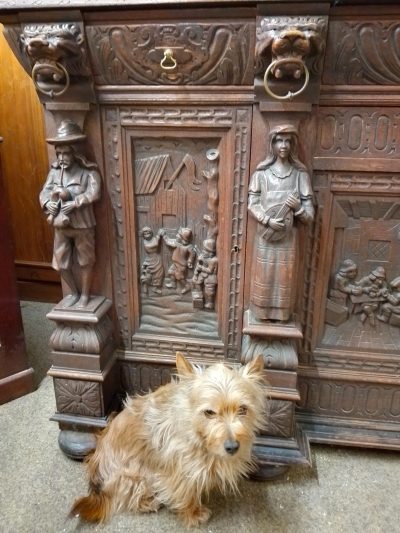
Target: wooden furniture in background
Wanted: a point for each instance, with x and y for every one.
(25, 162)
(16, 377)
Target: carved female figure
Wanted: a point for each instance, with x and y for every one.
(152, 265)
(280, 196)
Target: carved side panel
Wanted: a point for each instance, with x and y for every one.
(358, 133)
(78, 397)
(205, 53)
(362, 53)
(280, 419)
(368, 401)
(143, 378)
(172, 239)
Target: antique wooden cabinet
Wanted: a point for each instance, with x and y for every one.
(244, 166)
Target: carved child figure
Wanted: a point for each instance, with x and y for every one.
(205, 274)
(72, 186)
(183, 258)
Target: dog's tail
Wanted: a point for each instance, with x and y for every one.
(96, 507)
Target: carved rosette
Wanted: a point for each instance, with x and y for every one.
(78, 397)
(279, 422)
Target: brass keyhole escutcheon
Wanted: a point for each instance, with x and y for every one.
(168, 62)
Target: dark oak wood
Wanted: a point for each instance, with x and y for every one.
(181, 128)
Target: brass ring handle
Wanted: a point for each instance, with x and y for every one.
(168, 58)
(56, 67)
(289, 95)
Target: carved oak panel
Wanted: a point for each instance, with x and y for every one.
(362, 52)
(358, 274)
(369, 401)
(182, 232)
(217, 53)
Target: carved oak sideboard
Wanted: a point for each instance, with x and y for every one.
(225, 183)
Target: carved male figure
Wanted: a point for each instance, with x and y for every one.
(393, 303)
(183, 258)
(344, 283)
(72, 186)
(205, 273)
(374, 284)
(154, 269)
(280, 197)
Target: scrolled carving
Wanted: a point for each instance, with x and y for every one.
(362, 53)
(81, 338)
(290, 42)
(216, 53)
(56, 53)
(277, 354)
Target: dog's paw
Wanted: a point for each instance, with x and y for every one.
(193, 516)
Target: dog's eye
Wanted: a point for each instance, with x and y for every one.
(209, 413)
(242, 410)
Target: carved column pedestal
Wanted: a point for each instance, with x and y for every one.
(83, 371)
(281, 443)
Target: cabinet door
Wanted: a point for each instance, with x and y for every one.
(178, 234)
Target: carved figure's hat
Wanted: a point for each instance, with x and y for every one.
(395, 283)
(209, 245)
(67, 133)
(379, 272)
(283, 128)
(347, 266)
(185, 233)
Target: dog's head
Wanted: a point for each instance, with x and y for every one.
(227, 405)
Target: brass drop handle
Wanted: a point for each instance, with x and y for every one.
(289, 95)
(168, 62)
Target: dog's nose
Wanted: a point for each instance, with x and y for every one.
(231, 446)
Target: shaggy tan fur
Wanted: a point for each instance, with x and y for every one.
(173, 446)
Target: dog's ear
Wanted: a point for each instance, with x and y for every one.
(183, 366)
(254, 368)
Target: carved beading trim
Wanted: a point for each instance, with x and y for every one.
(156, 346)
(205, 53)
(144, 116)
(78, 397)
(238, 213)
(371, 401)
(366, 182)
(112, 142)
(356, 363)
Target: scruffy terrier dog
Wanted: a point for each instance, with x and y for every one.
(175, 445)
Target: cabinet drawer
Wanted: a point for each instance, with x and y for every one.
(199, 52)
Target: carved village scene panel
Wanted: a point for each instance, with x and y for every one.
(176, 199)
